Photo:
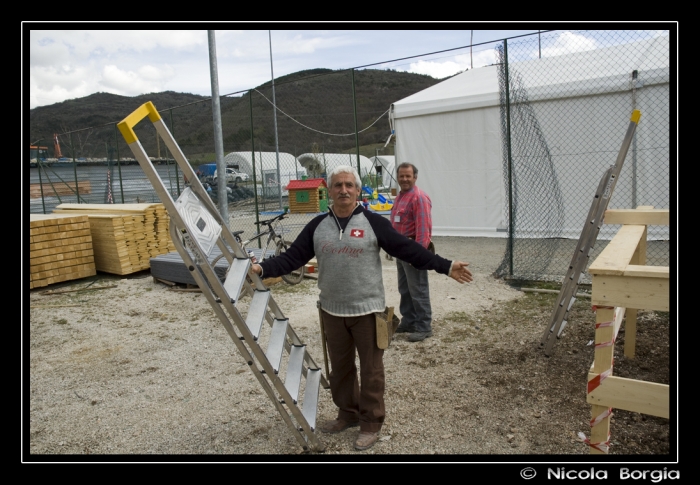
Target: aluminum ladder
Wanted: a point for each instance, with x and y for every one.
(275, 354)
(586, 242)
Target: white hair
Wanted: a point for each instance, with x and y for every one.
(345, 169)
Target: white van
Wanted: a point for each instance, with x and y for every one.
(233, 176)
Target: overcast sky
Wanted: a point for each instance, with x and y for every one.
(67, 64)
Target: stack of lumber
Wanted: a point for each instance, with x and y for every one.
(124, 236)
(60, 249)
(57, 188)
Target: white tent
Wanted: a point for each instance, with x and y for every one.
(319, 163)
(452, 133)
(266, 167)
(385, 167)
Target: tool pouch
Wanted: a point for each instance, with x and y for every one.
(386, 326)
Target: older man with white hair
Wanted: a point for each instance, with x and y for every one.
(346, 242)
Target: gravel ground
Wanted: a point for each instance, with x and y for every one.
(140, 372)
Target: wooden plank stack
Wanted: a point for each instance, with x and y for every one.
(58, 188)
(60, 249)
(125, 236)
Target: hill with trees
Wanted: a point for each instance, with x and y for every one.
(318, 110)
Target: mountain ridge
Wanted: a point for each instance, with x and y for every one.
(318, 109)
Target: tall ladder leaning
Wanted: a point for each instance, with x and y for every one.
(196, 227)
(586, 242)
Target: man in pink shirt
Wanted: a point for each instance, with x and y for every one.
(410, 216)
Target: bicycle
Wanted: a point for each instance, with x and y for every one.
(278, 243)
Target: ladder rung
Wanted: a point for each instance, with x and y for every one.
(235, 277)
(256, 312)
(561, 329)
(308, 409)
(276, 344)
(295, 367)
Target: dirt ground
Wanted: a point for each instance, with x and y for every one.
(139, 371)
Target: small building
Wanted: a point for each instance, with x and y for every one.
(310, 195)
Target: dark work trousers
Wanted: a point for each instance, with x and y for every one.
(414, 288)
(363, 400)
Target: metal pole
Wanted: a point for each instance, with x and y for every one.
(510, 160)
(274, 111)
(252, 145)
(539, 42)
(75, 171)
(119, 166)
(218, 136)
(72, 149)
(471, 47)
(354, 109)
(41, 183)
(635, 74)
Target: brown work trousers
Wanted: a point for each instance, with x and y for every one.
(363, 400)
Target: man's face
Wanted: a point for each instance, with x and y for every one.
(407, 179)
(343, 191)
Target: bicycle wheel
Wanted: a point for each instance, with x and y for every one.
(294, 277)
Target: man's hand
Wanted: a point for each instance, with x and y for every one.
(460, 272)
(257, 269)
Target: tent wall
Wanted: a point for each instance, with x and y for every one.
(454, 133)
(266, 168)
(459, 161)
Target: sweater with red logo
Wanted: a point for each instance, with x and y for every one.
(349, 265)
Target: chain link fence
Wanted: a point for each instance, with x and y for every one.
(564, 115)
(565, 129)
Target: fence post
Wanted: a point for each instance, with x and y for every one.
(41, 183)
(510, 160)
(252, 152)
(119, 165)
(354, 110)
(75, 171)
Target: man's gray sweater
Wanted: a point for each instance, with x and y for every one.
(350, 268)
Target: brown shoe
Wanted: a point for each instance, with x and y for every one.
(337, 425)
(366, 440)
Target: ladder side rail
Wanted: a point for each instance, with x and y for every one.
(198, 273)
(204, 274)
(179, 223)
(198, 188)
(600, 205)
(583, 241)
(184, 165)
(257, 351)
(589, 239)
(626, 142)
(261, 357)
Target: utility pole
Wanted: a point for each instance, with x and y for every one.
(218, 135)
(274, 106)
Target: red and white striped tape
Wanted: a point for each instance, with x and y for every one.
(603, 446)
(601, 417)
(595, 382)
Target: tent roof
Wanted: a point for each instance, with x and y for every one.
(471, 89)
(334, 159)
(269, 159)
(608, 69)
